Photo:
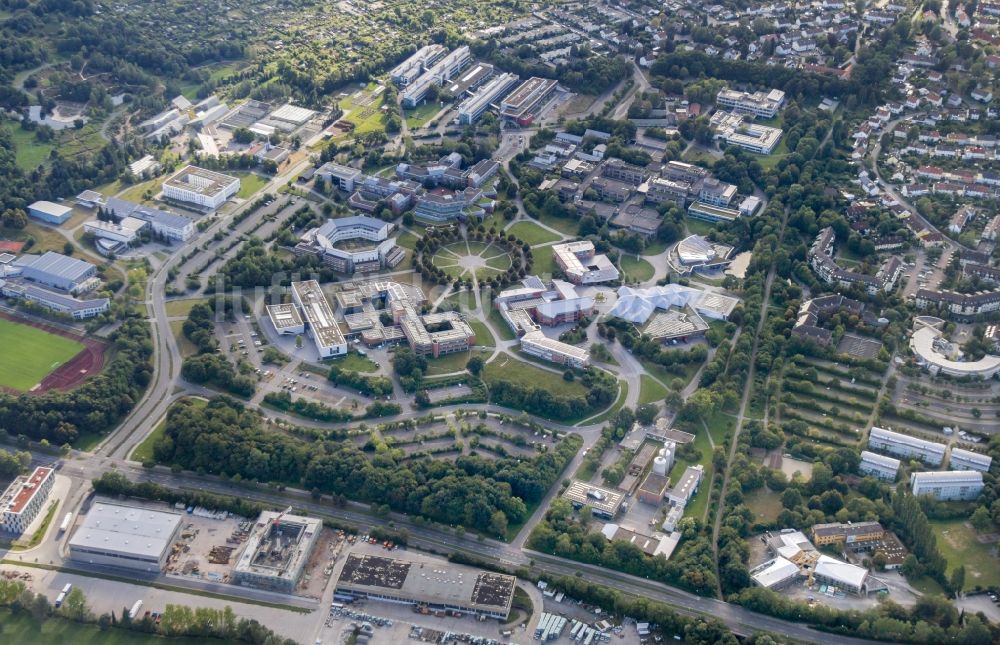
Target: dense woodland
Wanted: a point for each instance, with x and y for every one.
(478, 493)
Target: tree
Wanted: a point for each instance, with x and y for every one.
(646, 413)
(475, 365)
(958, 579)
(75, 605)
(14, 218)
(980, 519)
(498, 524)
(68, 248)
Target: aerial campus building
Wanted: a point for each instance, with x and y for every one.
(436, 74)
(167, 225)
(448, 587)
(603, 502)
(582, 265)
(473, 107)
(24, 499)
(125, 536)
(277, 551)
(205, 189)
(797, 559)
(672, 311)
(286, 319)
(968, 460)
(407, 71)
(736, 131)
(522, 105)
(903, 445)
(358, 244)
(114, 237)
(532, 304)
(937, 355)
(320, 322)
(948, 485)
(879, 466)
(696, 253)
(756, 103)
(53, 281)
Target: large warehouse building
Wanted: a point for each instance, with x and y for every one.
(125, 536)
(449, 587)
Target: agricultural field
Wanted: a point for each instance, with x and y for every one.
(30, 354)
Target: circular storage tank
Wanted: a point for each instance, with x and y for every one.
(660, 465)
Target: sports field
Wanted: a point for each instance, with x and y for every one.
(29, 354)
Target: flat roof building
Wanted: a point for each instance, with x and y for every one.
(602, 501)
(926, 345)
(843, 575)
(775, 574)
(686, 487)
(522, 104)
(321, 324)
(850, 533)
(473, 107)
(760, 104)
(357, 244)
(169, 226)
(50, 212)
(58, 271)
(24, 499)
(57, 301)
(948, 485)
(446, 586)
(968, 460)
(879, 466)
(122, 536)
(206, 189)
(286, 319)
(277, 551)
(735, 130)
(541, 346)
(906, 446)
(407, 71)
(436, 74)
(582, 265)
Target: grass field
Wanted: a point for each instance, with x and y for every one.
(544, 264)
(186, 346)
(697, 226)
(500, 325)
(448, 363)
(179, 308)
(483, 336)
(407, 240)
(508, 368)
(636, 269)
(957, 543)
(355, 362)
(765, 505)
(29, 354)
(22, 629)
(135, 192)
(250, 184)
(532, 233)
(420, 115)
(29, 153)
(650, 390)
(561, 224)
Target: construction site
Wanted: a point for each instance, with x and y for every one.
(277, 551)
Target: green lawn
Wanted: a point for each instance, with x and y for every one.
(407, 240)
(29, 354)
(697, 226)
(650, 390)
(532, 233)
(186, 346)
(765, 505)
(448, 363)
(508, 368)
(636, 269)
(420, 115)
(179, 308)
(135, 192)
(561, 224)
(29, 153)
(544, 264)
(22, 629)
(959, 546)
(144, 451)
(483, 336)
(355, 362)
(655, 248)
(250, 184)
(500, 325)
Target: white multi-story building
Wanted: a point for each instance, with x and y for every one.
(24, 498)
(407, 71)
(968, 460)
(948, 485)
(879, 466)
(906, 446)
(475, 105)
(321, 324)
(538, 344)
(582, 265)
(206, 189)
(358, 244)
(756, 103)
(734, 130)
(437, 74)
(167, 225)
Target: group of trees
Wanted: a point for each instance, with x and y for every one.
(601, 390)
(374, 386)
(228, 439)
(13, 464)
(209, 365)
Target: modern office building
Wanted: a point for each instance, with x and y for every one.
(541, 346)
(713, 214)
(443, 206)
(277, 551)
(445, 587)
(286, 319)
(522, 105)
(603, 503)
(408, 71)
(441, 71)
(24, 499)
(948, 485)
(114, 237)
(434, 334)
(344, 177)
(903, 445)
(205, 189)
(128, 537)
(169, 226)
(968, 460)
(320, 322)
(736, 131)
(879, 466)
(50, 212)
(358, 244)
(473, 107)
(582, 265)
(765, 105)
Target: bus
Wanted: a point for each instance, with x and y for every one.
(62, 595)
(65, 523)
(136, 608)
